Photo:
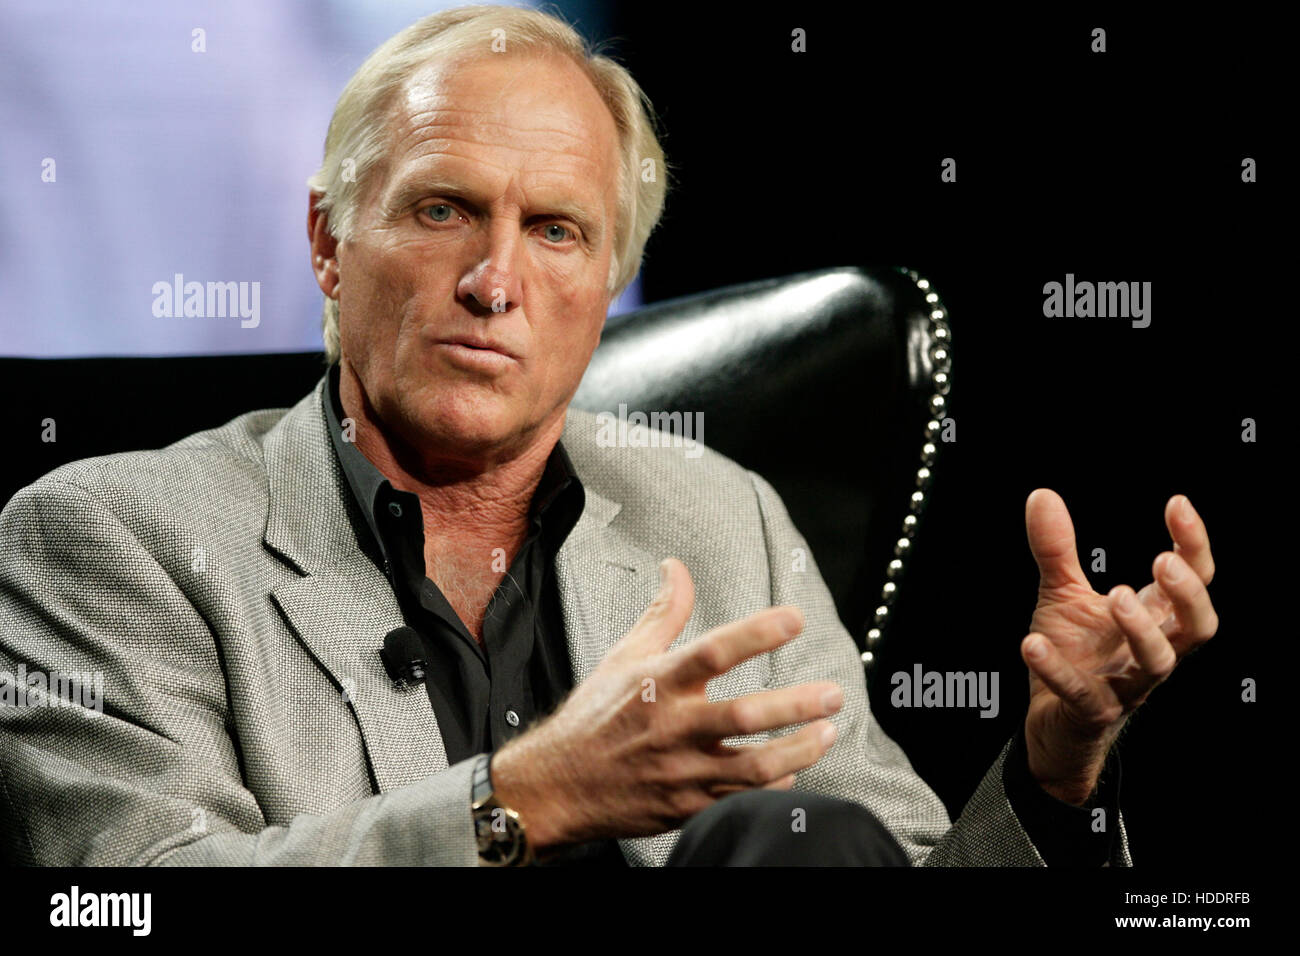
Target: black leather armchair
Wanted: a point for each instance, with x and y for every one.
(831, 384)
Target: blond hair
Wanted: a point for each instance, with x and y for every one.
(357, 133)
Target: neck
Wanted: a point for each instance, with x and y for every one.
(469, 509)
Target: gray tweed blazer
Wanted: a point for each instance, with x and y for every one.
(218, 587)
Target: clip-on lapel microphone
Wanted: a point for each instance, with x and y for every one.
(403, 657)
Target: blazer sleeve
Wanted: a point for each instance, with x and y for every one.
(149, 774)
(864, 765)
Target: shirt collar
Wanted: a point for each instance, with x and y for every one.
(559, 495)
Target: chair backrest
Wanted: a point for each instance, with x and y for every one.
(830, 384)
(827, 383)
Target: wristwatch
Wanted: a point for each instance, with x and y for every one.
(498, 829)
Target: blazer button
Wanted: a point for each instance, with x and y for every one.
(512, 718)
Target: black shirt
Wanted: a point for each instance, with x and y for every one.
(485, 695)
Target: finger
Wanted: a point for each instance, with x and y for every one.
(1159, 607)
(722, 789)
(766, 710)
(666, 615)
(724, 647)
(758, 765)
(1083, 695)
(1151, 649)
(1191, 539)
(1051, 540)
(1197, 619)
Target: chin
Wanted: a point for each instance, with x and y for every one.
(467, 420)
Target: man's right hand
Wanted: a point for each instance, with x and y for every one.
(616, 760)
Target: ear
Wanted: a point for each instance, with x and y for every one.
(324, 248)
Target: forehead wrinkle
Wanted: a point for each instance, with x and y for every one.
(438, 161)
(424, 151)
(415, 127)
(438, 89)
(430, 152)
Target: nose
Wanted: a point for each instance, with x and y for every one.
(493, 283)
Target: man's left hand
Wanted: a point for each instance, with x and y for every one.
(1094, 658)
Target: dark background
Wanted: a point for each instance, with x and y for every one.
(1116, 166)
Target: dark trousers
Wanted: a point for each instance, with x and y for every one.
(785, 828)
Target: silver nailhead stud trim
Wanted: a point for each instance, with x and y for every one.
(941, 384)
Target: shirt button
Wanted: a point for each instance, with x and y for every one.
(395, 508)
(512, 718)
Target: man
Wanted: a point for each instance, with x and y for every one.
(487, 190)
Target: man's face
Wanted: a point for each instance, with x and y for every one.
(473, 290)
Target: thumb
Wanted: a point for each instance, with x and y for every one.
(666, 615)
(1051, 539)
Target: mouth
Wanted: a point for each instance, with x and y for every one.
(472, 353)
(477, 344)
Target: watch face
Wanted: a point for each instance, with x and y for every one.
(499, 836)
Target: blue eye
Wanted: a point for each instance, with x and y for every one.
(563, 229)
(441, 205)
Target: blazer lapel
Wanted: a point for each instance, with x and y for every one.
(605, 584)
(342, 606)
(341, 616)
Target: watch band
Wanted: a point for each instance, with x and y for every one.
(500, 833)
(481, 781)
